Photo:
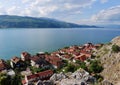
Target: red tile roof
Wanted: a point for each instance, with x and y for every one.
(83, 56)
(15, 59)
(25, 54)
(41, 75)
(54, 60)
(3, 65)
(35, 58)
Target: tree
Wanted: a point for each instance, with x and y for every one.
(81, 64)
(95, 67)
(115, 48)
(70, 68)
(16, 80)
(8, 80)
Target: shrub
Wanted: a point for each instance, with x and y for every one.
(98, 77)
(95, 67)
(115, 48)
(70, 68)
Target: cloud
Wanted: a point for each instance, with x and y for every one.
(45, 8)
(104, 1)
(111, 15)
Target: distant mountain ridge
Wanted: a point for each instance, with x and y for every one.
(8, 21)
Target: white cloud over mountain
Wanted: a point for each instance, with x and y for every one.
(39, 8)
(111, 15)
(78, 11)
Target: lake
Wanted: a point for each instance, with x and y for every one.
(14, 41)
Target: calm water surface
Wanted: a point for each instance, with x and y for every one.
(15, 41)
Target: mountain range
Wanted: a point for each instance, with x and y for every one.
(10, 21)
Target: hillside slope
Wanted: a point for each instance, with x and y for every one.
(7, 21)
(110, 61)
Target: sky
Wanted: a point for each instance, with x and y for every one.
(75, 11)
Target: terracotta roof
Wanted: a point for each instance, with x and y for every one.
(40, 74)
(35, 58)
(3, 66)
(83, 56)
(25, 54)
(15, 59)
(66, 56)
(54, 60)
(2, 61)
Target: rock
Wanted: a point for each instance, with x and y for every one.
(80, 74)
(58, 77)
(116, 40)
(110, 61)
(105, 82)
(79, 77)
(39, 82)
(48, 82)
(72, 82)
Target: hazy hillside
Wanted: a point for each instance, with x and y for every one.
(7, 21)
(109, 55)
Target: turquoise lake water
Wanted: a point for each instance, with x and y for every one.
(14, 41)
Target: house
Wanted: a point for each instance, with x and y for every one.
(55, 61)
(25, 56)
(41, 55)
(35, 61)
(3, 66)
(45, 75)
(38, 61)
(15, 62)
(82, 57)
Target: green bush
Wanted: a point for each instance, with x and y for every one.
(81, 64)
(98, 77)
(95, 67)
(71, 68)
(115, 48)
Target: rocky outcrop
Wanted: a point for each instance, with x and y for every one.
(105, 82)
(110, 61)
(48, 82)
(58, 77)
(116, 40)
(80, 77)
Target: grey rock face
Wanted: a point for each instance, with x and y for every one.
(80, 77)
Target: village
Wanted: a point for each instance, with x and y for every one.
(43, 65)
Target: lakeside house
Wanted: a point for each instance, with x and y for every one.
(45, 75)
(55, 61)
(74, 53)
(3, 66)
(39, 61)
(25, 56)
(16, 62)
(36, 61)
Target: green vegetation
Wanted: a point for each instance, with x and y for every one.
(71, 68)
(35, 69)
(105, 50)
(66, 47)
(95, 67)
(81, 64)
(7, 80)
(98, 77)
(115, 48)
